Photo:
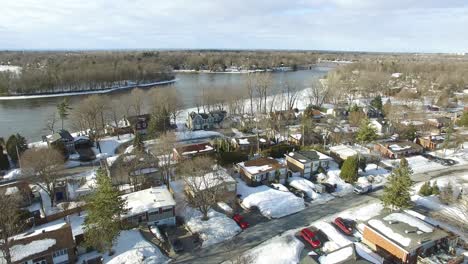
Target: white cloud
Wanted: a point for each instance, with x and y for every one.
(379, 25)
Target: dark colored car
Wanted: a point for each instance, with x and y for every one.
(240, 221)
(177, 245)
(329, 188)
(345, 226)
(311, 238)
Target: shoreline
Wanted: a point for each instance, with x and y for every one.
(102, 91)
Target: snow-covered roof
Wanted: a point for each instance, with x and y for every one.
(337, 256)
(260, 165)
(405, 230)
(148, 200)
(22, 251)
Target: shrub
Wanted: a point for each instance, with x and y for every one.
(349, 170)
(425, 189)
(278, 151)
(227, 158)
(435, 188)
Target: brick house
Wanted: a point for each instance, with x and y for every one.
(51, 244)
(307, 162)
(402, 237)
(397, 150)
(262, 171)
(154, 206)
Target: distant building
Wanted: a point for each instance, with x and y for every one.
(139, 124)
(262, 171)
(153, 206)
(203, 121)
(397, 150)
(63, 136)
(431, 142)
(250, 143)
(402, 237)
(307, 163)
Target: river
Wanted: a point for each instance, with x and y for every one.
(28, 117)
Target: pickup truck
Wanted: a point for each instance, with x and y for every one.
(362, 189)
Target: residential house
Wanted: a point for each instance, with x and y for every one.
(431, 142)
(262, 171)
(310, 138)
(439, 122)
(140, 123)
(342, 152)
(382, 127)
(284, 115)
(84, 147)
(399, 149)
(250, 143)
(153, 206)
(219, 178)
(351, 254)
(204, 121)
(62, 136)
(402, 237)
(372, 112)
(137, 170)
(52, 243)
(307, 163)
(192, 150)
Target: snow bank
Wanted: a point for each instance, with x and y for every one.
(21, 251)
(12, 174)
(333, 234)
(130, 248)
(271, 203)
(342, 188)
(216, 229)
(304, 185)
(336, 256)
(279, 250)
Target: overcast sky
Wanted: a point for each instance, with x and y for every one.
(364, 25)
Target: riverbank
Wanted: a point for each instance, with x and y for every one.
(101, 91)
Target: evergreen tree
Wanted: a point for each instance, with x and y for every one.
(377, 103)
(4, 163)
(397, 190)
(425, 189)
(362, 162)
(138, 144)
(349, 170)
(16, 144)
(435, 188)
(463, 121)
(366, 133)
(410, 133)
(63, 109)
(105, 206)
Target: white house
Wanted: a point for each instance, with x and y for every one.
(153, 206)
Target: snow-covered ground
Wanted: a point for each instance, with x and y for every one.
(110, 144)
(309, 189)
(216, 229)
(130, 248)
(271, 203)
(284, 249)
(419, 164)
(459, 155)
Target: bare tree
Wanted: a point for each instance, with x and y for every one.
(318, 93)
(250, 90)
(10, 223)
(42, 167)
(204, 185)
(50, 124)
(292, 93)
(116, 113)
(163, 152)
(136, 102)
(263, 83)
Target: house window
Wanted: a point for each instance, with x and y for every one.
(167, 210)
(59, 253)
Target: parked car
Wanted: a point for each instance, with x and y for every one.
(297, 192)
(240, 221)
(329, 188)
(345, 226)
(310, 237)
(177, 245)
(362, 189)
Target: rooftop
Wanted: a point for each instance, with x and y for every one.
(405, 230)
(260, 165)
(147, 200)
(402, 146)
(194, 148)
(307, 156)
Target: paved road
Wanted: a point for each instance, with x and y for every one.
(261, 232)
(266, 230)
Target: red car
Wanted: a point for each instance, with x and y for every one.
(344, 226)
(310, 237)
(240, 221)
